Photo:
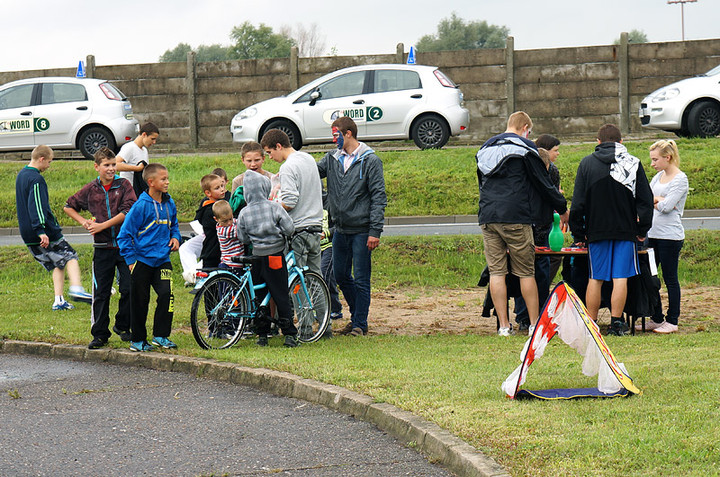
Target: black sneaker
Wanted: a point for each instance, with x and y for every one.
(290, 341)
(97, 343)
(618, 328)
(262, 341)
(124, 335)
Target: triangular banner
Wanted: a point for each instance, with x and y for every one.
(565, 315)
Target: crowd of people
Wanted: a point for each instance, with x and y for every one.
(614, 210)
(135, 228)
(334, 231)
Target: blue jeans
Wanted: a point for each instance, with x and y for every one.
(667, 255)
(351, 258)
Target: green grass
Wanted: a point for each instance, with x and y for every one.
(432, 182)
(454, 380)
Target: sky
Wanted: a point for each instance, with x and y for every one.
(41, 34)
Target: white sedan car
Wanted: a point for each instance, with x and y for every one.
(64, 113)
(690, 107)
(386, 102)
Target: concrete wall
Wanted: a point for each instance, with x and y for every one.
(567, 91)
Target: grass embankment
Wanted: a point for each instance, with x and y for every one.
(454, 380)
(432, 182)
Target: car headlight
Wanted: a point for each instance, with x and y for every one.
(247, 113)
(666, 94)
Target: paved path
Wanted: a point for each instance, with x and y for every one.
(76, 418)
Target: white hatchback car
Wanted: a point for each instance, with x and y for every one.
(64, 113)
(690, 107)
(386, 102)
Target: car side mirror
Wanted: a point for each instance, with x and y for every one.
(314, 96)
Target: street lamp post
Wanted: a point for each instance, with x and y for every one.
(682, 12)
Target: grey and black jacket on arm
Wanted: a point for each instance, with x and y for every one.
(356, 198)
(514, 184)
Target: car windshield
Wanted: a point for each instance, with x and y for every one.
(714, 71)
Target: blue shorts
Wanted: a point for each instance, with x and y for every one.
(613, 259)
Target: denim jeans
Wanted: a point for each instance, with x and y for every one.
(351, 258)
(667, 255)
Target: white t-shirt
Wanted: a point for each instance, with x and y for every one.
(132, 155)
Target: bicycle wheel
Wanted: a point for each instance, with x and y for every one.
(311, 310)
(220, 312)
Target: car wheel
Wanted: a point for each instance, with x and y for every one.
(93, 139)
(704, 119)
(288, 128)
(430, 132)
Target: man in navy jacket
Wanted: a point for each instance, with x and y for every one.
(515, 192)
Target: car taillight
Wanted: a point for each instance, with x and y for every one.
(444, 80)
(110, 93)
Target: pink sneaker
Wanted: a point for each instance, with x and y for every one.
(666, 328)
(650, 325)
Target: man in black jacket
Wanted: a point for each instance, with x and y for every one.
(356, 202)
(612, 207)
(515, 192)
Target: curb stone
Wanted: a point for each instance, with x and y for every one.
(438, 444)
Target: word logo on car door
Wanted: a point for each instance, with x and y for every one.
(359, 115)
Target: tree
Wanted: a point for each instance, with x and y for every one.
(634, 36)
(260, 42)
(215, 52)
(454, 33)
(310, 41)
(179, 53)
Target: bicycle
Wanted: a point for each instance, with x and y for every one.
(225, 303)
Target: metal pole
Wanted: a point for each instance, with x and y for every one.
(682, 12)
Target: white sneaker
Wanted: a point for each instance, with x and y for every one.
(504, 332)
(665, 328)
(531, 330)
(650, 325)
(189, 278)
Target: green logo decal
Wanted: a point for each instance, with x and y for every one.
(374, 113)
(41, 124)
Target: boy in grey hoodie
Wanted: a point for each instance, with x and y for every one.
(265, 224)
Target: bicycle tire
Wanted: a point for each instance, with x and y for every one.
(311, 311)
(216, 323)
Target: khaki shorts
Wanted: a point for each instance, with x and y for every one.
(515, 240)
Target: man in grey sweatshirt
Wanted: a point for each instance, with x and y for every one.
(300, 195)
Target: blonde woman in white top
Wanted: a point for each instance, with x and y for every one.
(666, 236)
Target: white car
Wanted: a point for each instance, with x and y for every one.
(386, 102)
(690, 107)
(64, 113)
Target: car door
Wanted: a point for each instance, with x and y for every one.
(395, 93)
(16, 117)
(339, 96)
(61, 110)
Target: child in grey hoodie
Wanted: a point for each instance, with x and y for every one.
(265, 224)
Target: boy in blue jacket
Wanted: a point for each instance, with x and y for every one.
(148, 235)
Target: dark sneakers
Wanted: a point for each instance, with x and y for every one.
(290, 341)
(124, 335)
(97, 343)
(262, 341)
(618, 328)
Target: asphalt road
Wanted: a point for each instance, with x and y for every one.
(455, 228)
(75, 418)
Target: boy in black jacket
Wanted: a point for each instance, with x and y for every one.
(612, 207)
(41, 232)
(214, 188)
